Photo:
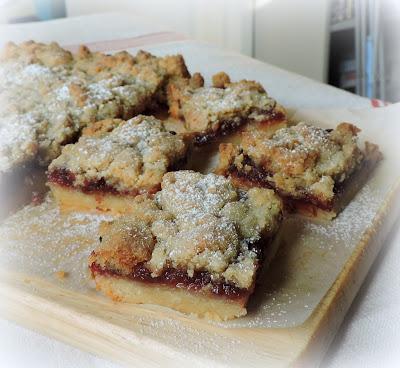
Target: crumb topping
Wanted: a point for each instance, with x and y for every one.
(18, 140)
(135, 154)
(197, 223)
(304, 160)
(207, 109)
(51, 94)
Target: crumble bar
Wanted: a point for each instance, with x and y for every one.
(113, 161)
(169, 67)
(308, 166)
(211, 112)
(49, 94)
(196, 247)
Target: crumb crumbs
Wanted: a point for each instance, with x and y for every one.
(61, 275)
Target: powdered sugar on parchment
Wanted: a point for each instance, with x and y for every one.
(41, 241)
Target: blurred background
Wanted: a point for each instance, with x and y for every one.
(351, 44)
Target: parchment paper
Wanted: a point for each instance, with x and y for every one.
(40, 241)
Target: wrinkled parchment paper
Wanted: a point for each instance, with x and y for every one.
(39, 241)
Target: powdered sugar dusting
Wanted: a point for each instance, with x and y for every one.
(40, 241)
(351, 223)
(134, 155)
(309, 259)
(304, 160)
(300, 138)
(235, 98)
(211, 226)
(64, 99)
(293, 286)
(18, 139)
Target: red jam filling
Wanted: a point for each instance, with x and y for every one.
(256, 176)
(66, 178)
(178, 279)
(229, 126)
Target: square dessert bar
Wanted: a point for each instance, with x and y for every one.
(167, 67)
(212, 112)
(317, 171)
(49, 94)
(113, 161)
(196, 247)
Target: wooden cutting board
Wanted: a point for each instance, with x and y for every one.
(152, 336)
(294, 314)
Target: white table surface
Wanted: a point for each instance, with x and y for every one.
(370, 334)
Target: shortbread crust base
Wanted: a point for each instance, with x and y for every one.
(195, 303)
(70, 199)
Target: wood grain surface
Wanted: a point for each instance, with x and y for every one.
(119, 331)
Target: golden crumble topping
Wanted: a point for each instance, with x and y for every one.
(225, 105)
(196, 223)
(48, 95)
(102, 66)
(301, 161)
(133, 155)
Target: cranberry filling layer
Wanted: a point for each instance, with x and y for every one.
(61, 177)
(177, 278)
(229, 126)
(226, 127)
(256, 176)
(66, 178)
(180, 279)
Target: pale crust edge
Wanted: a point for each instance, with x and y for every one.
(70, 200)
(195, 303)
